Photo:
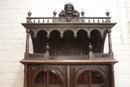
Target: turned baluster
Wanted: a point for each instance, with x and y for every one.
(27, 44)
(110, 43)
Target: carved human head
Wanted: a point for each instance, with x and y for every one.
(69, 8)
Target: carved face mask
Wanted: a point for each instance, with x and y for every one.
(69, 9)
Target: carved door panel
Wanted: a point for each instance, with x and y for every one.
(48, 76)
(87, 77)
(90, 79)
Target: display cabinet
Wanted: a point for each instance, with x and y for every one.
(68, 50)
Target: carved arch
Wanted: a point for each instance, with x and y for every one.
(99, 70)
(56, 29)
(57, 72)
(68, 29)
(96, 29)
(39, 30)
(80, 29)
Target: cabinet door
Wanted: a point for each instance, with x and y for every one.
(49, 77)
(87, 77)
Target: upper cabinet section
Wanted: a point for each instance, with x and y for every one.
(69, 36)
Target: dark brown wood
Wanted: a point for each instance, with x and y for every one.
(25, 76)
(112, 75)
(68, 50)
(110, 43)
(27, 44)
(68, 61)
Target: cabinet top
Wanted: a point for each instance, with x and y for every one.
(69, 15)
(68, 61)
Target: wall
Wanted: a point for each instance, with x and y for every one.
(121, 44)
(12, 33)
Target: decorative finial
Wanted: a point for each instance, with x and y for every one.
(91, 55)
(47, 52)
(82, 13)
(54, 13)
(107, 13)
(90, 47)
(29, 13)
(47, 47)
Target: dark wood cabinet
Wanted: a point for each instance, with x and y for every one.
(68, 51)
(69, 74)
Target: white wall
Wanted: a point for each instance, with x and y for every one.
(12, 33)
(121, 44)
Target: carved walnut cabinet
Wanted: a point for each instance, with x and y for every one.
(68, 51)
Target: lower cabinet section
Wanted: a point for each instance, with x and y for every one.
(68, 75)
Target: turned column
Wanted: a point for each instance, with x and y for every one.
(27, 44)
(110, 44)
